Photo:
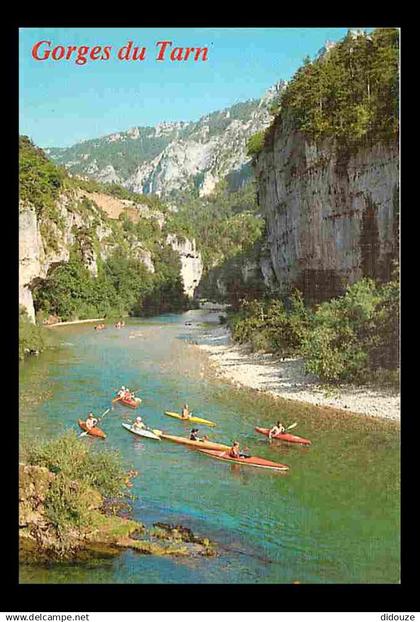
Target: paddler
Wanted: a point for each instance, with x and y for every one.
(194, 435)
(91, 421)
(186, 413)
(276, 429)
(234, 451)
(138, 424)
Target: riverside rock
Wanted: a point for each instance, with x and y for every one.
(107, 532)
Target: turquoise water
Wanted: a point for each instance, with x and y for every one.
(333, 518)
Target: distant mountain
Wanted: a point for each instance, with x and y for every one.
(174, 158)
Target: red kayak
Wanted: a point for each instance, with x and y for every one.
(93, 432)
(290, 438)
(132, 403)
(254, 461)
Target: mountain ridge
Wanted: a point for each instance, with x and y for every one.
(173, 157)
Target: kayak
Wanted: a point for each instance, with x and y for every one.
(289, 438)
(254, 461)
(190, 418)
(128, 402)
(93, 432)
(146, 433)
(182, 440)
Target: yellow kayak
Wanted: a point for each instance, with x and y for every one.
(190, 418)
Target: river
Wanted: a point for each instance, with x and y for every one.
(333, 518)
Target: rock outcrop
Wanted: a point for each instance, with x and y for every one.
(107, 532)
(84, 218)
(332, 212)
(191, 262)
(44, 245)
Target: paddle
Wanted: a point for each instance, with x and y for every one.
(290, 427)
(100, 418)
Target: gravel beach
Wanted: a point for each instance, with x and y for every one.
(286, 378)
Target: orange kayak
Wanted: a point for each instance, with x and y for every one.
(128, 402)
(254, 461)
(93, 432)
(289, 438)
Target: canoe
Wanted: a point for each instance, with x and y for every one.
(146, 433)
(93, 432)
(182, 440)
(126, 402)
(190, 418)
(289, 438)
(254, 461)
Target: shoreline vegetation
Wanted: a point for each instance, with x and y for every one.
(285, 378)
(74, 502)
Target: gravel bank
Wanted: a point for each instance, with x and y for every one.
(287, 379)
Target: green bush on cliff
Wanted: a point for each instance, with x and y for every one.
(31, 337)
(255, 144)
(40, 181)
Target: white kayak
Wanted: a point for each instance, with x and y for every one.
(140, 432)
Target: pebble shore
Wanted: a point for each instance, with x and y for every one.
(286, 378)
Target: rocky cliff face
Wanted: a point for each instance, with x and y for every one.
(191, 262)
(174, 157)
(332, 213)
(45, 245)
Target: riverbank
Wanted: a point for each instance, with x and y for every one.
(98, 319)
(286, 379)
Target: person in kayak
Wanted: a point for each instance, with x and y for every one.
(276, 429)
(91, 421)
(234, 451)
(138, 424)
(194, 435)
(186, 412)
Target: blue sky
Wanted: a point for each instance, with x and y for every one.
(62, 103)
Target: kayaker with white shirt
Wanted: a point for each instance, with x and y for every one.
(278, 428)
(91, 421)
(138, 424)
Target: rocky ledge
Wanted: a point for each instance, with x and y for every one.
(109, 530)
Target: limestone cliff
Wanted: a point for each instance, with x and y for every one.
(88, 219)
(45, 243)
(191, 262)
(332, 212)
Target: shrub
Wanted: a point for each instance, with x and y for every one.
(274, 325)
(31, 336)
(81, 470)
(255, 144)
(353, 335)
